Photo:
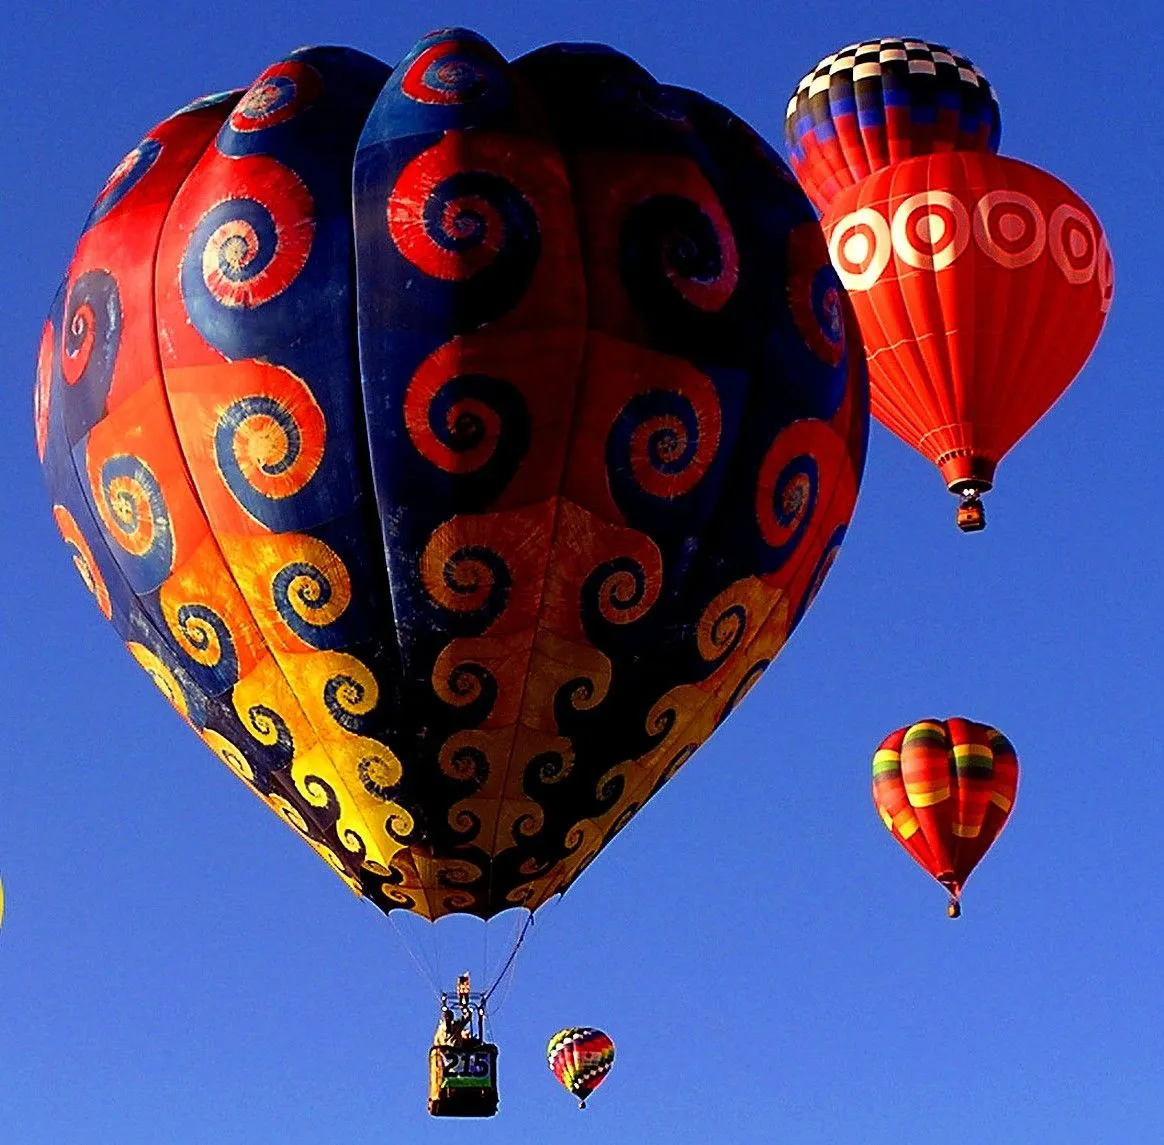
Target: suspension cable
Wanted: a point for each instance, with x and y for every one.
(426, 972)
(509, 961)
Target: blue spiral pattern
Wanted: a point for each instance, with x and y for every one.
(126, 175)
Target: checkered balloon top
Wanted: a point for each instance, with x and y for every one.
(875, 102)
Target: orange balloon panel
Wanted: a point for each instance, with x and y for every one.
(945, 790)
(981, 285)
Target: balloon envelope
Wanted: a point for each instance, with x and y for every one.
(945, 789)
(454, 445)
(580, 1058)
(981, 284)
(881, 101)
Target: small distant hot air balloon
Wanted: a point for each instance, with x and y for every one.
(580, 1057)
(945, 790)
(981, 284)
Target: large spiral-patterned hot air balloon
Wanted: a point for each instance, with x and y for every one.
(454, 445)
(945, 789)
(981, 284)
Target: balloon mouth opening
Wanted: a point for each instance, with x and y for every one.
(966, 473)
(970, 487)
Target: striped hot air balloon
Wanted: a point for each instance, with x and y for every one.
(580, 1057)
(945, 790)
(881, 101)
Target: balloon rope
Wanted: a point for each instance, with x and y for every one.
(509, 961)
(426, 972)
(512, 977)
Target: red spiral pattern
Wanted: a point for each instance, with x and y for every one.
(448, 73)
(83, 559)
(814, 295)
(280, 93)
(477, 226)
(709, 294)
(662, 459)
(435, 372)
(75, 360)
(786, 495)
(42, 394)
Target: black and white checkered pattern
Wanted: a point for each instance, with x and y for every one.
(872, 58)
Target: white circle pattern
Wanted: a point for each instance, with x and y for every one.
(931, 230)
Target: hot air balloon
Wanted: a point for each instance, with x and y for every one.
(881, 101)
(981, 284)
(580, 1058)
(454, 445)
(945, 790)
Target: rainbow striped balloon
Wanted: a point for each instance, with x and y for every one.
(581, 1058)
(945, 789)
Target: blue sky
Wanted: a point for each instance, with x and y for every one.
(176, 967)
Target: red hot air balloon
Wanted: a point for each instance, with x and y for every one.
(945, 790)
(981, 284)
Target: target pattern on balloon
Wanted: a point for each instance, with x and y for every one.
(860, 247)
(1074, 245)
(930, 230)
(1009, 226)
(1105, 272)
(994, 294)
